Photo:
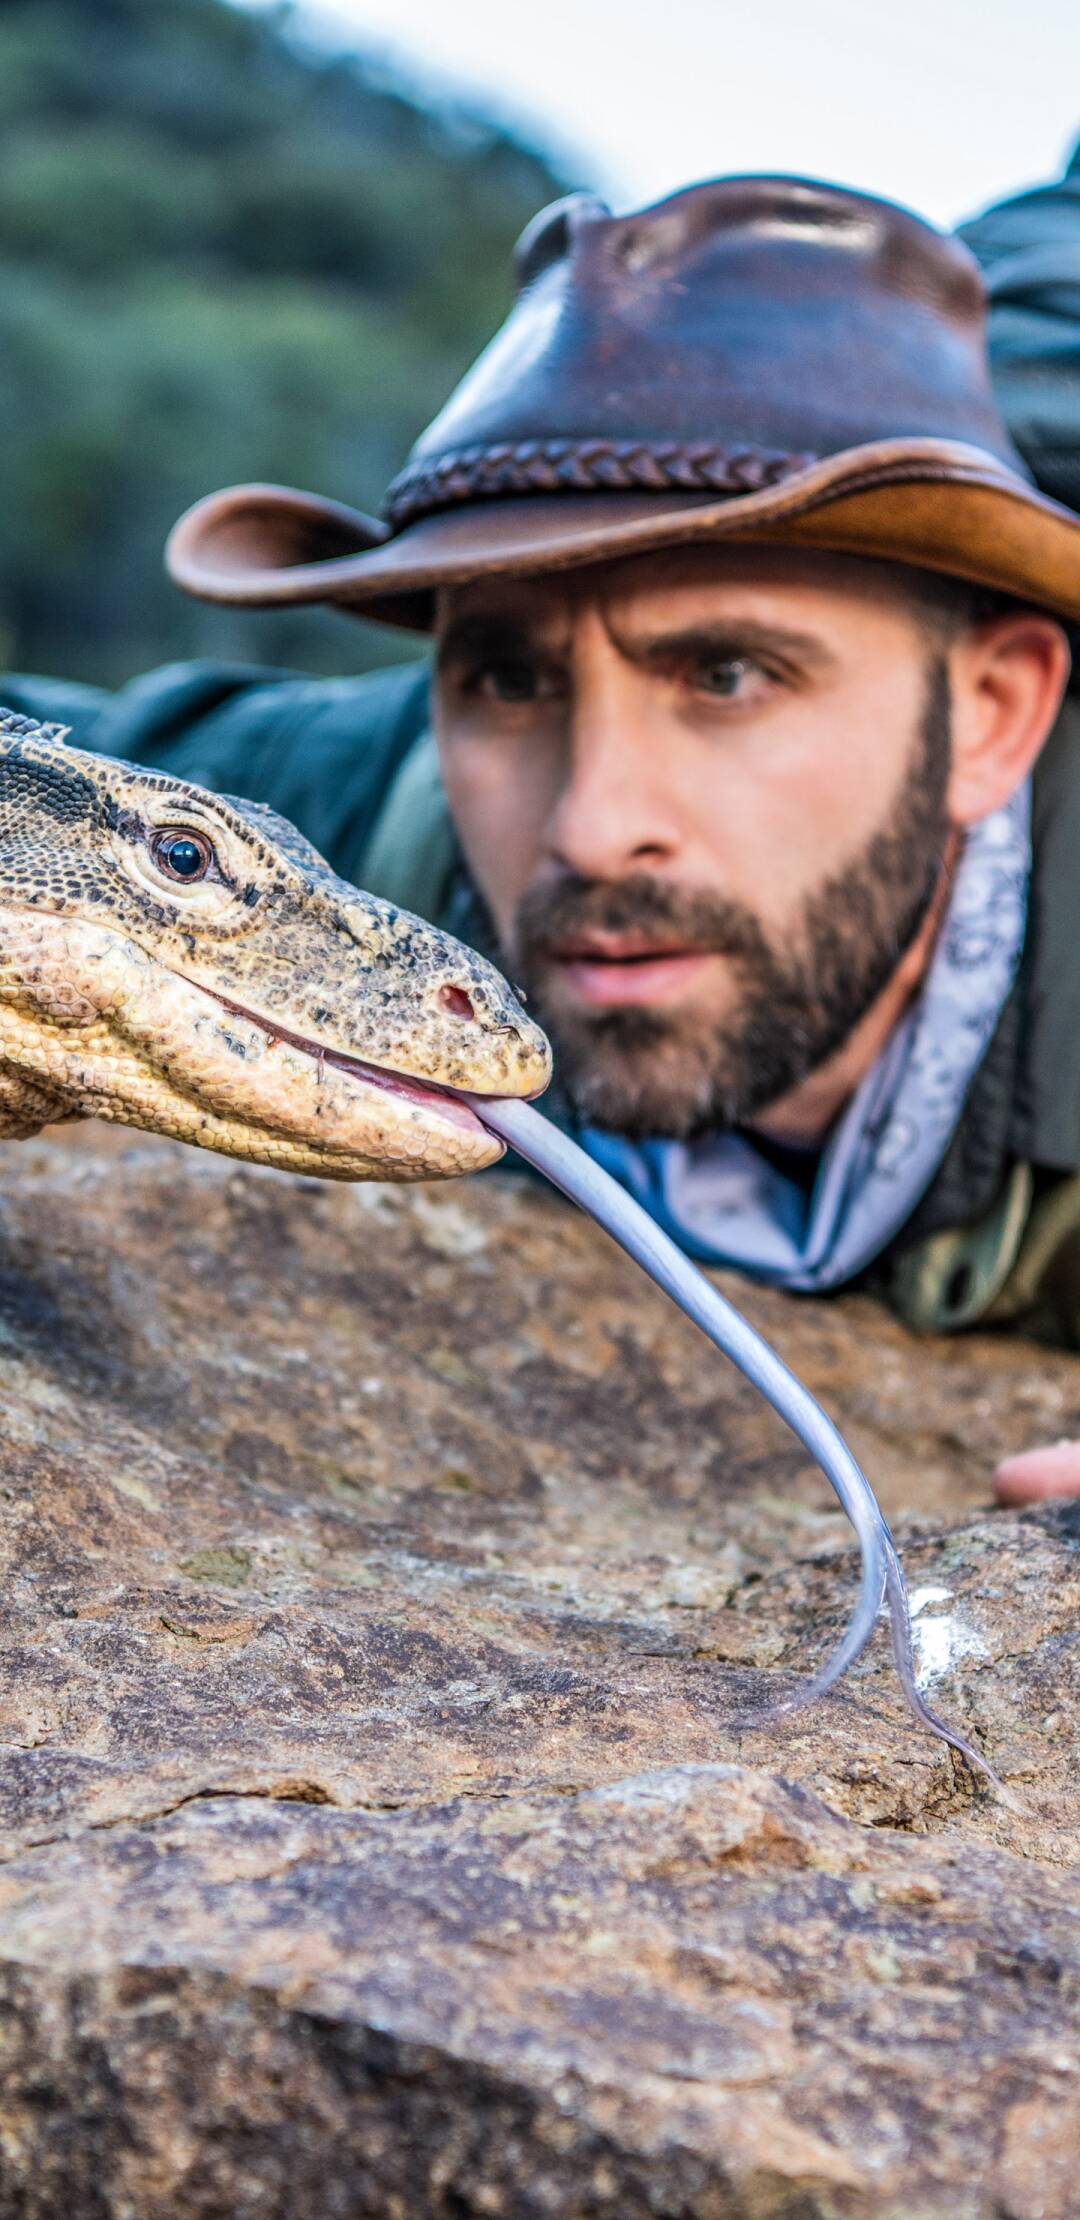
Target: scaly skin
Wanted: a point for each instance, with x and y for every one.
(213, 1009)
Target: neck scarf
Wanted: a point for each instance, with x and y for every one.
(726, 1204)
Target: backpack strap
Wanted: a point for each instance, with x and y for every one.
(950, 1279)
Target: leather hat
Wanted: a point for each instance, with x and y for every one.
(766, 359)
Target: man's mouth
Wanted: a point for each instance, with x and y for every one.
(606, 969)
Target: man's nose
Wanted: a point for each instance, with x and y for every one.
(614, 812)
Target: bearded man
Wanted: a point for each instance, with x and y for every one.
(748, 751)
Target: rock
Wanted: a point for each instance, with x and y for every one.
(391, 1582)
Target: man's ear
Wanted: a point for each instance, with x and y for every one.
(1007, 679)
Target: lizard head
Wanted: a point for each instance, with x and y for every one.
(188, 963)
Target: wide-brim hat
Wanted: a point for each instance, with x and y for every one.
(768, 360)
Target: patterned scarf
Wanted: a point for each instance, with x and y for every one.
(726, 1204)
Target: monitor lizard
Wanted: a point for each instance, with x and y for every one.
(186, 962)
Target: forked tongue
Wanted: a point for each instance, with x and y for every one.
(587, 1184)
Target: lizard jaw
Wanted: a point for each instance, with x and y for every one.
(429, 1095)
(91, 1024)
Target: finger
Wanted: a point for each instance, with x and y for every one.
(1038, 1475)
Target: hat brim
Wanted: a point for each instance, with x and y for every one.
(928, 503)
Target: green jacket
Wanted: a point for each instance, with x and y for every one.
(1029, 248)
(997, 1237)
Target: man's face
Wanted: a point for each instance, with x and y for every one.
(703, 797)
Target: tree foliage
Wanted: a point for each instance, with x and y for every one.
(223, 255)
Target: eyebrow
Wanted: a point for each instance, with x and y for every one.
(731, 636)
(468, 638)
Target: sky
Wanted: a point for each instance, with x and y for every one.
(944, 104)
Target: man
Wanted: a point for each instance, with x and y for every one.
(750, 753)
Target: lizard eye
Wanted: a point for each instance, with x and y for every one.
(182, 854)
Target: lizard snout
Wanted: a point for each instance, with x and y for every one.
(473, 1034)
(476, 1037)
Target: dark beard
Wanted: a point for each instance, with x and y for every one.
(653, 1072)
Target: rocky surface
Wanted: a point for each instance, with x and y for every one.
(391, 1581)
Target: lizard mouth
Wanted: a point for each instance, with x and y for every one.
(426, 1094)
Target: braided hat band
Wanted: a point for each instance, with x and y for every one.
(584, 466)
(754, 356)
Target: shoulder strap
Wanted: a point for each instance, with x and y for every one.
(950, 1278)
(1045, 1127)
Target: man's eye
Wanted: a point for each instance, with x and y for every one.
(722, 674)
(182, 854)
(507, 682)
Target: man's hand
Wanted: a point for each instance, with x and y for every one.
(1036, 1475)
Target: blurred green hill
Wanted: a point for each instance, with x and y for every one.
(223, 255)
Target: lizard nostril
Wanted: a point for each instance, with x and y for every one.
(456, 1001)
